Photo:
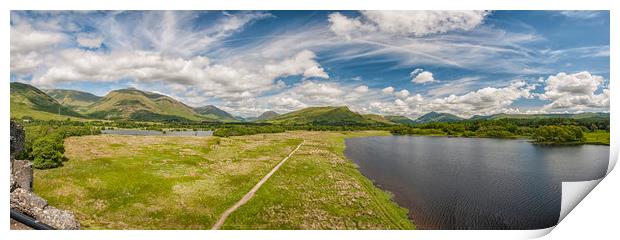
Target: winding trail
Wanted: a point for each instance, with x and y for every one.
(252, 191)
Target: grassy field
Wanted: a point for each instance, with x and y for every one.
(318, 188)
(597, 137)
(154, 182)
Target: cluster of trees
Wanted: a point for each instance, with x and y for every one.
(555, 134)
(44, 142)
(405, 130)
(239, 130)
(550, 130)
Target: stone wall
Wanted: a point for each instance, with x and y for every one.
(23, 199)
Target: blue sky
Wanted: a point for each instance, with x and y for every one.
(387, 62)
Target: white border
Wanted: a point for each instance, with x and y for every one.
(597, 208)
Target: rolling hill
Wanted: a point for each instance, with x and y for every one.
(214, 112)
(399, 119)
(438, 117)
(74, 99)
(378, 118)
(134, 104)
(322, 116)
(29, 101)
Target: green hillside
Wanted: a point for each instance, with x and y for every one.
(399, 119)
(322, 116)
(145, 106)
(76, 100)
(29, 101)
(214, 112)
(438, 117)
(378, 118)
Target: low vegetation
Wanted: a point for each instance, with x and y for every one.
(241, 130)
(154, 182)
(597, 137)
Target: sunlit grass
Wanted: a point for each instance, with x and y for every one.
(155, 182)
(597, 137)
(318, 188)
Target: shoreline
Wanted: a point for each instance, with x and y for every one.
(511, 138)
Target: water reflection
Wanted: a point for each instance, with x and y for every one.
(476, 183)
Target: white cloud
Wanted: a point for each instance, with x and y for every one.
(574, 92)
(317, 90)
(233, 82)
(24, 38)
(483, 101)
(171, 32)
(306, 93)
(405, 23)
(582, 14)
(420, 76)
(89, 41)
(302, 63)
(347, 27)
(388, 90)
(402, 93)
(361, 89)
(25, 63)
(316, 93)
(28, 44)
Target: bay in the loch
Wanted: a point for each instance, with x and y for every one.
(476, 183)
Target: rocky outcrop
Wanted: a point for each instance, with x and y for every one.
(21, 174)
(23, 199)
(17, 139)
(36, 207)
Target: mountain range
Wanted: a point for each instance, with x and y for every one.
(134, 104)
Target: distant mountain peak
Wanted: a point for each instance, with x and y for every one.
(267, 115)
(72, 98)
(213, 111)
(324, 115)
(438, 117)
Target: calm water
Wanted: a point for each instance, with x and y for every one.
(137, 132)
(476, 183)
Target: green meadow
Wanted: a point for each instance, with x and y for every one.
(154, 182)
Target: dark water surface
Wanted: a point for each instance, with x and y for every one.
(139, 132)
(476, 183)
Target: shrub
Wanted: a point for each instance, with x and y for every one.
(47, 152)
